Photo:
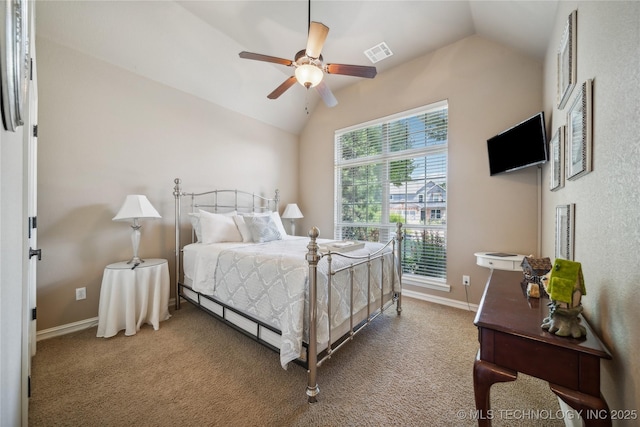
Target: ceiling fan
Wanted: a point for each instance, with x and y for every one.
(309, 67)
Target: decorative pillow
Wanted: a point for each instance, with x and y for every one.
(267, 213)
(216, 228)
(262, 228)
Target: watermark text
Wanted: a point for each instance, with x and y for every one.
(544, 414)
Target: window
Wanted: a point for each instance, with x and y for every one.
(395, 170)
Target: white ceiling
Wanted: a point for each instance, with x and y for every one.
(193, 45)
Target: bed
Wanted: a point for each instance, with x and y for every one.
(303, 297)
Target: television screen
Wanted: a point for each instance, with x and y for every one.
(520, 146)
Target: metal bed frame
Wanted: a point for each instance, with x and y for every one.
(225, 200)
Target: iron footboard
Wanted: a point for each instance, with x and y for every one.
(313, 258)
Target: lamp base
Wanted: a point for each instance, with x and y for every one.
(135, 241)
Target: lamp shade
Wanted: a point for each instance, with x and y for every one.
(136, 206)
(292, 211)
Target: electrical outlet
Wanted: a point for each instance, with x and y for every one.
(81, 293)
(466, 281)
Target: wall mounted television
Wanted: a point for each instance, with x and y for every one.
(518, 147)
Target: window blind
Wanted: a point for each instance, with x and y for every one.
(395, 170)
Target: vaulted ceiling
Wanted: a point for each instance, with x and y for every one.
(193, 46)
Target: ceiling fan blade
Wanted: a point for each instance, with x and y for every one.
(265, 58)
(352, 70)
(282, 88)
(326, 94)
(317, 35)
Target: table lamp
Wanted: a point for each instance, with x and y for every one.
(292, 212)
(135, 207)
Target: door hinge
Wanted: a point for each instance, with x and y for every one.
(35, 252)
(33, 314)
(31, 69)
(29, 386)
(33, 224)
(35, 131)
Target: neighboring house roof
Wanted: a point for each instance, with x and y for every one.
(406, 193)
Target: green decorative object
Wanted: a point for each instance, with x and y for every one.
(565, 287)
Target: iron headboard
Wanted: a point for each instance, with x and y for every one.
(216, 201)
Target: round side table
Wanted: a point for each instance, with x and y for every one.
(130, 297)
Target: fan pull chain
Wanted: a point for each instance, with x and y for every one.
(306, 102)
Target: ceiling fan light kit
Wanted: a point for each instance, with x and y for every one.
(309, 68)
(309, 75)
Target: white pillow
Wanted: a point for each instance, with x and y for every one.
(195, 223)
(242, 227)
(216, 228)
(263, 228)
(194, 217)
(276, 218)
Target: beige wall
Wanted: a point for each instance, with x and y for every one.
(489, 88)
(607, 201)
(105, 133)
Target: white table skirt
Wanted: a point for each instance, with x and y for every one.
(129, 298)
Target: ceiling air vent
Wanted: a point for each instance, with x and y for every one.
(378, 52)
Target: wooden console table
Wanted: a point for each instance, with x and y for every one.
(512, 341)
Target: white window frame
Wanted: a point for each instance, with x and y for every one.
(339, 164)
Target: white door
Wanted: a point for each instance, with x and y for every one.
(31, 192)
(31, 142)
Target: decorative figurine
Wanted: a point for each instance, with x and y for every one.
(565, 287)
(534, 269)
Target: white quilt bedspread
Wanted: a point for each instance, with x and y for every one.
(269, 281)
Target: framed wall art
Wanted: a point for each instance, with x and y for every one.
(556, 159)
(565, 222)
(15, 61)
(567, 60)
(579, 132)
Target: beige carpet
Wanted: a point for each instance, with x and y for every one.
(411, 370)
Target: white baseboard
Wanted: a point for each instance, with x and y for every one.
(66, 329)
(74, 327)
(90, 323)
(440, 300)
